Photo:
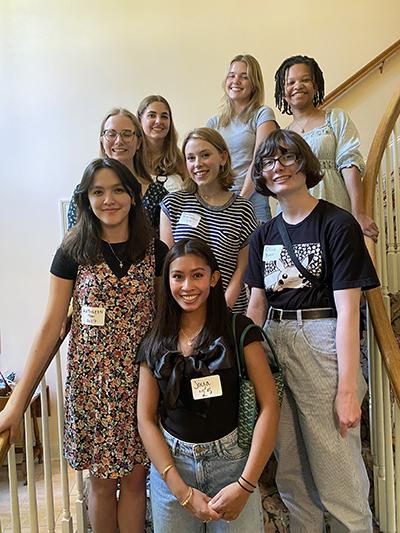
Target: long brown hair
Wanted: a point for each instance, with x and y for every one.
(257, 95)
(165, 331)
(83, 242)
(170, 161)
(140, 158)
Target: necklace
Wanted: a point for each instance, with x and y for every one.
(191, 339)
(301, 126)
(213, 197)
(121, 264)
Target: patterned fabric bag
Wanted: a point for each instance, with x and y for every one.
(248, 409)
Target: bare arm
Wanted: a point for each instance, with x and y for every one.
(262, 132)
(57, 306)
(352, 179)
(232, 498)
(347, 404)
(166, 230)
(235, 285)
(257, 308)
(157, 448)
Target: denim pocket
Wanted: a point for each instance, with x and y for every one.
(233, 451)
(320, 335)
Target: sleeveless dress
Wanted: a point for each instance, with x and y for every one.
(101, 387)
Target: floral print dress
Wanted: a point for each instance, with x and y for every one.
(101, 388)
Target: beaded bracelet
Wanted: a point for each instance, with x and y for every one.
(244, 488)
(248, 482)
(166, 470)
(186, 500)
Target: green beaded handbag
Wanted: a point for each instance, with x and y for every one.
(248, 409)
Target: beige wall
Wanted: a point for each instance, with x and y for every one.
(65, 63)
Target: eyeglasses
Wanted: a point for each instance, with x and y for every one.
(285, 160)
(111, 135)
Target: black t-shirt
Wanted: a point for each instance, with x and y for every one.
(64, 267)
(200, 420)
(328, 242)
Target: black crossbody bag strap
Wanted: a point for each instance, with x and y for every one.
(289, 247)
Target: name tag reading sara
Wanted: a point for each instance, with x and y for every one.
(272, 252)
(189, 219)
(207, 387)
(93, 316)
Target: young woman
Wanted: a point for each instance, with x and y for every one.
(121, 138)
(109, 262)
(165, 159)
(313, 323)
(199, 473)
(208, 210)
(244, 122)
(299, 91)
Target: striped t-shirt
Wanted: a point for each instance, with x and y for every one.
(226, 229)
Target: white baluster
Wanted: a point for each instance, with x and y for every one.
(30, 473)
(66, 518)
(388, 447)
(12, 476)
(81, 520)
(47, 459)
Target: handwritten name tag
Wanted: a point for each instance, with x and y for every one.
(272, 252)
(189, 219)
(93, 316)
(207, 387)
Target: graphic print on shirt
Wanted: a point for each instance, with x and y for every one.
(280, 272)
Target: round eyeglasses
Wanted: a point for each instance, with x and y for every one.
(285, 160)
(111, 135)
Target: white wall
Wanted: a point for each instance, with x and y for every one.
(65, 63)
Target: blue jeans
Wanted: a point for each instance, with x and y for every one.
(261, 206)
(208, 467)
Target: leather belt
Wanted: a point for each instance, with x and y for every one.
(301, 314)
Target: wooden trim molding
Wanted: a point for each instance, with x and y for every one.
(378, 62)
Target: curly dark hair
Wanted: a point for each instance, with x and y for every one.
(286, 141)
(280, 75)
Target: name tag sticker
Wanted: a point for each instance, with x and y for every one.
(272, 252)
(189, 219)
(93, 316)
(207, 387)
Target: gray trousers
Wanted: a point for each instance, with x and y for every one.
(318, 470)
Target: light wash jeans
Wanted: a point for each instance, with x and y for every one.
(208, 467)
(261, 206)
(318, 470)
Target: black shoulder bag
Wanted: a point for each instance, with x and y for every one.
(289, 247)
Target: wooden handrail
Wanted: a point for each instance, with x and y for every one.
(4, 436)
(378, 62)
(383, 330)
(377, 148)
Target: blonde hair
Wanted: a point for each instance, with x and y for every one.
(171, 160)
(257, 94)
(140, 162)
(211, 136)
